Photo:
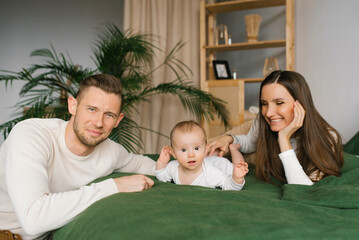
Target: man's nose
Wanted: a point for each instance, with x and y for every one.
(98, 121)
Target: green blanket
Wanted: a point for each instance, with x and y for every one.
(352, 146)
(327, 210)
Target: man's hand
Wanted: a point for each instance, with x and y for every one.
(239, 171)
(164, 158)
(134, 183)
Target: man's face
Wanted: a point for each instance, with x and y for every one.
(95, 114)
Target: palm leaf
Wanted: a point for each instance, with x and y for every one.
(129, 57)
(128, 134)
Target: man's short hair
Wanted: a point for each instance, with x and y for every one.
(105, 82)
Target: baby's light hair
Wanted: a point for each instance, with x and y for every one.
(186, 126)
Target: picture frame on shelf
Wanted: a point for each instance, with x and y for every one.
(221, 69)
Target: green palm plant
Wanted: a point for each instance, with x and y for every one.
(129, 57)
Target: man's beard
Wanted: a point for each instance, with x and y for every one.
(86, 141)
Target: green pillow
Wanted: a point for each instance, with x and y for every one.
(352, 146)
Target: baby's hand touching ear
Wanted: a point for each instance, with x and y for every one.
(164, 158)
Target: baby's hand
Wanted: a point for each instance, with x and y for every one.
(164, 158)
(239, 171)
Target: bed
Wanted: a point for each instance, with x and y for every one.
(327, 210)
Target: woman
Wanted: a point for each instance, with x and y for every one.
(288, 120)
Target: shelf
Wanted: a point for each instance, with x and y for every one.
(232, 6)
(232, 82)
(233, 91)
(247, 116)
(246, 45)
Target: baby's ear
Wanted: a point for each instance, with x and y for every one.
(170, 149)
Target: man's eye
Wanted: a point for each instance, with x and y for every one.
(91, 109)
(110, 115)
(183, 150)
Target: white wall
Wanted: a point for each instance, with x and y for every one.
(69, 25)
(327, 54)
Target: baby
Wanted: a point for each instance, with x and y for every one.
(188, 146)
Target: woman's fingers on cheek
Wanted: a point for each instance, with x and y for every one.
(299, 114)
(301, 109)
(302, 114)
(300, 118)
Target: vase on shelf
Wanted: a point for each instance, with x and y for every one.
(253, 22)
(270, 65)
(222, 34)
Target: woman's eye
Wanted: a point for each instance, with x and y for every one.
(279, 103)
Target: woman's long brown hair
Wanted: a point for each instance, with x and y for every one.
(319, 145)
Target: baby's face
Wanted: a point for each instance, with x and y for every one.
(189, 148)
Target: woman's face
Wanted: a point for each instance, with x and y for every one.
(277, 106)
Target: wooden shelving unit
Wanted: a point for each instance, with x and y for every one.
(232, 91)
(246, 46)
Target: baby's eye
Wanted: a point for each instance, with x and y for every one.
(196, 148)
(183, 150)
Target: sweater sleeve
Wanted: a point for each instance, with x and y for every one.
(38, 210)
(248, 142)
(293, 170)
(219, 173)
(134, 163)
(230, 184)
(221, 163)
(167, 174)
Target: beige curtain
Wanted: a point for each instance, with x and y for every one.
(172, 21)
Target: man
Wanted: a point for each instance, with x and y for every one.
(45, 164)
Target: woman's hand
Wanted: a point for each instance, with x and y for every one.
(219, 146)
(297, 122)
